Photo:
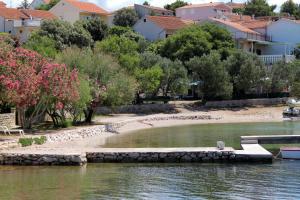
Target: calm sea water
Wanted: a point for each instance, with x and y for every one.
(280, 180)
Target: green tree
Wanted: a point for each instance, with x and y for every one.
(282, 76)
(48, 6)
(126, 17)
(65, 34)
(213, 76)
(289, 7)
(95, 26)
(41, 44)
(246, 72)
(117, 46)
(146, 3)
(25, 4)
(259, 8)
(175, 5)
(221, 39)
(186, 44)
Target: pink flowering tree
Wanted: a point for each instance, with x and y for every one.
(34, 85)
(60, 91)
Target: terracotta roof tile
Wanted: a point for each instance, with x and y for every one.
(47, 1)
(255, 24)
(169, 23)
(155, 8)
(88, 7)
(41, 14)
(235, 25)
(12, 13)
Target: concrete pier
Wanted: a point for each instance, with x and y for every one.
(271, 139)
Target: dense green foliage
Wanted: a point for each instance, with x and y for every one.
(126, 17)
(246, 72)
(291, 8)
(48, 6)
(195, 41)
(259, 8)
(213, 76)
(42, 44)
(95, 26)
(175, 5)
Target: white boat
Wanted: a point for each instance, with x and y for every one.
(290, 152)
(292, 103)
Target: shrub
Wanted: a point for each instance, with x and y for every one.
(26, 142)
(40, 141)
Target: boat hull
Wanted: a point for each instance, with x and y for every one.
(290, 153)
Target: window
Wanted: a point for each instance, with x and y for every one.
(145, 20)
(9, 32)
(21, 31)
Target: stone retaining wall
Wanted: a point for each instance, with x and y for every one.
(245, 102)
(41, 159)
(8, 119)
(167, 157)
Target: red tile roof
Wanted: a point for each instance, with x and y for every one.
(47, 1)
(2, 4)
(256, 24)
(155, 8)
(12, 13)
(41, 14)
(169, 23)
(235, 25)
(88, 7)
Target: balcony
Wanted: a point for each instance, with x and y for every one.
(31, 23)
(272, 59)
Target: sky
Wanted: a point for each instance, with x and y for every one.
(115, 4)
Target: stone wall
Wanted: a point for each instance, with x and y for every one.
(8, 119)
(41, 159)
(167, 157)
(245, 102)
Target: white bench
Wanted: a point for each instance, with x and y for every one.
(7, 131)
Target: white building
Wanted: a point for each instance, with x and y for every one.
(200, 12)
(20, 22)
(144, 10)
(159, 27)
(73, 10)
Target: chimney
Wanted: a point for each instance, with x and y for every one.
(253, 16)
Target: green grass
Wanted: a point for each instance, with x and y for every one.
(30, 141)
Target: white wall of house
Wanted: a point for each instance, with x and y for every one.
(36, 3)
(284, 31)
(149, 30)
(199, 13)
(143, 11)
(65, 11)
(2, 26)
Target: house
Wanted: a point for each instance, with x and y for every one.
(144, 10)
(37, 3)
(284, 31)
(20, 22)
(265, 38)
(159, 27)
(201, 12)
(73, 10)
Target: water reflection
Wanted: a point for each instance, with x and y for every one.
(153, 181)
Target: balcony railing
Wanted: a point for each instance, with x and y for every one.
(272, 59)
(31, 23)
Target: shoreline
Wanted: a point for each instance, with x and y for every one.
(132, 123)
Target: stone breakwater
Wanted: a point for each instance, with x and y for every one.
(161, 157)
(136, 155)
(42, 159)
(77, 134)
